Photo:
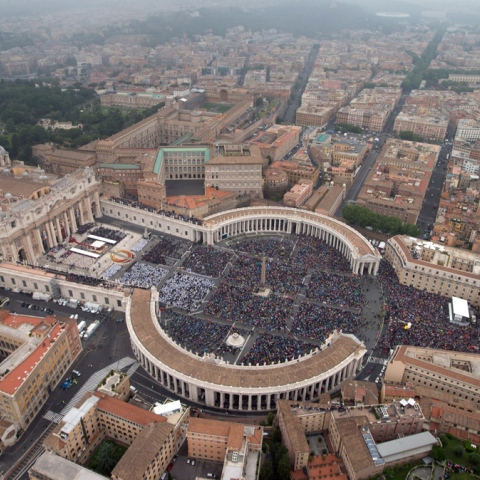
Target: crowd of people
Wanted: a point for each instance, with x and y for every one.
(273, 247)
(319, 321)
(311, 252)
(274, 349)
(199, 335)
(84, 228)
(148, 208)
(111, 271)
(334, 289)
(142, 275)
(280, 277)
(428, 315)
(110, 233)
(237, 304)
(77, 260)
(184, 291)
(164, 249)
(140, 245)
(206, 260)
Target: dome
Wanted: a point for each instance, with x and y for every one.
(8, 195)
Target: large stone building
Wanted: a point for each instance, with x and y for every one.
(235, 168)
(364, 437)
(398, 181)
(277, 141)
(435, 268)
(127, 99)
(441, 370)
(37, 352)
(39, 211)
(235, 445)
(152, 439)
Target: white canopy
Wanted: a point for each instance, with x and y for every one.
(460, 307)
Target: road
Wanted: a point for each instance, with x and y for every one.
(291, 110)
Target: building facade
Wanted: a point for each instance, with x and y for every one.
(435, 268)
(37, 352)
(39, 213)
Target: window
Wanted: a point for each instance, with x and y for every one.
(107, 301)
(70, 293)
(82, 295)
(35, 285)
(94, 297)
(119, 303)
(47, 288)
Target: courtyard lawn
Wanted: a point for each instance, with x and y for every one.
(105, 457)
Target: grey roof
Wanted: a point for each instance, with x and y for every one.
(406, 444)
(58, 468)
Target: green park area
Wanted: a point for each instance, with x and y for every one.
(217, 107)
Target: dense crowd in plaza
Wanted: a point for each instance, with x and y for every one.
(428, 315)
(111, 271)
(282, 278)
(206, 260)
(148, 208)
(84, 228)
(273, 247)
(237, 304)
(311, 252)
(77, 260)
(140, 245)
(184, 291)
(199, 335)
(109, 233)
(274, 349)
(342, 290)
(319, 321)
(165, 248)
(143, 276)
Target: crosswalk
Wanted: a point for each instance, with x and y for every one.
(91, 384)
(380, 361)
(53, 417)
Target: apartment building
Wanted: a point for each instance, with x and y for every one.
(277, 141)
(398, 181)
(152, 438)
(366, 438)
(296, 171)
(298, 194)
(468, 129)
(313, 115)
(441, 370)
(428, 123)
(36, 354)
(236, 445)
(435, 268)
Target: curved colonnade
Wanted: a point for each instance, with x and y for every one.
(363, 257)
(234, 387)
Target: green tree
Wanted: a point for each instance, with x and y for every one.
(474, 459)
(283, 468)
(15, 146)
(267, 472)
(438, 453)
(105, 460)
(444, 440)
(458, 451)
(276, 435)
(270, 418)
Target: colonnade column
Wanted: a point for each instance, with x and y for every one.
(73, 220)
(38, 235)
(82, 218)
